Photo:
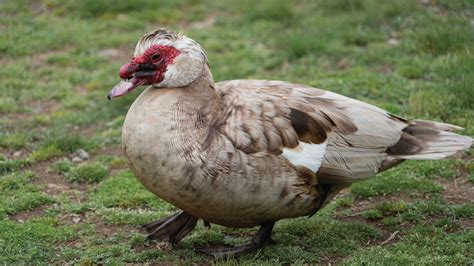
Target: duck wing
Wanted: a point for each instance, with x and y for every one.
(342, 140)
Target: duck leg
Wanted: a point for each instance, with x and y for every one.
(172, 228)
(261, 239)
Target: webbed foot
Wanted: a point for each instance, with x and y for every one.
(261, 239)
(172, 228)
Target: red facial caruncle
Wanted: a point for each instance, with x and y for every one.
(146, 69)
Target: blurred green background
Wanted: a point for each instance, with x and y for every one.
(60, 58)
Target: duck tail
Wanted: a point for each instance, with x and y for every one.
(429, 140)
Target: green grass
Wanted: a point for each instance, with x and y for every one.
(8, 165)
(421, 246)
(18, 194)
(33, 241)
(60, 58)
(15, 141)
(87, 172)
(45, 153)
(125, 192)
(372, 215)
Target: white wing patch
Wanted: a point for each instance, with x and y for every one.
(306, 154)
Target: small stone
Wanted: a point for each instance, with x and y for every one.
(76, 159)
(17, 153)
(393, 42)
(76, 219)
(84, 155)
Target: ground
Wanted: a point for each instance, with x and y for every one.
(60, 58)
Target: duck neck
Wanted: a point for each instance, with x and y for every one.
(200, 99)
(201, 92)
(197, 112)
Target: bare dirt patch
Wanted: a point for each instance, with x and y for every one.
(385, 68)
(88, 131)
(33, 107)
(116, 151)
(467, 224)
(55, 184)
(121, 54)
(39, 7)
(41, 59)
(21, 217)
(45, 106)
(14, 117)
(108, 230)
(101, 229)
(458, 190)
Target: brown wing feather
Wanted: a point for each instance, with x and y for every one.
(267, 116)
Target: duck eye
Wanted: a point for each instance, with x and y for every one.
(155, 57)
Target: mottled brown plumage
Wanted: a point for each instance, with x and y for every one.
(243, 153)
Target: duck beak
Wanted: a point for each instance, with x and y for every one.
(133, 75)
(124, 87)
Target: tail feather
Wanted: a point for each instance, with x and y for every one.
(438, 125)
(427, 140)
(351, 158)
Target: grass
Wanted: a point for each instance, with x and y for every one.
(45, 153)
(60, 58)
(18, 194)
(15, 141)
(87, 172)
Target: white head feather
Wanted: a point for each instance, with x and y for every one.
(186, 67)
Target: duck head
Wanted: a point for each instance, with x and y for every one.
(162, 58)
